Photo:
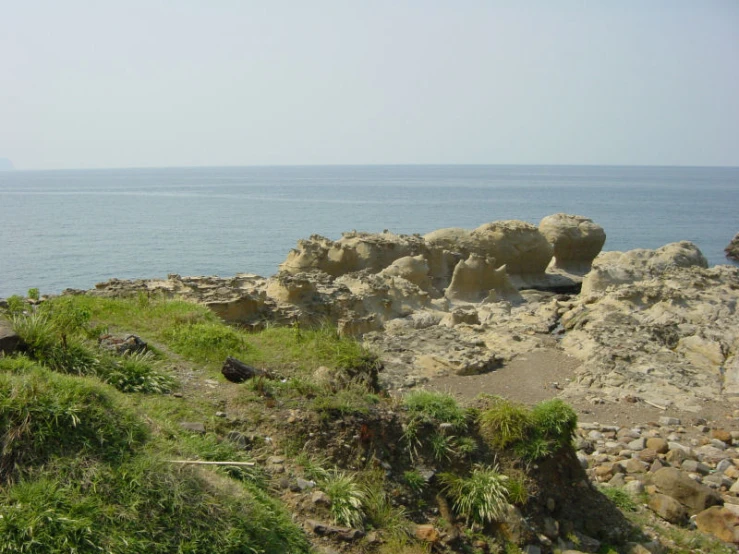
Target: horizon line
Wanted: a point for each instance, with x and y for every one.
(239, 166)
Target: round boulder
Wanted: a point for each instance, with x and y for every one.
(575, 239)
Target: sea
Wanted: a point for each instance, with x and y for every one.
(75, 228)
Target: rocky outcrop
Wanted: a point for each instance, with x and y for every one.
(732, 250)
(9, 339)
(656, 325)
(575, 240)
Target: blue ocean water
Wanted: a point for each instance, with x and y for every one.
(62, 229)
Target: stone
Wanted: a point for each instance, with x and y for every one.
(722, 435)
(719, 522)
(667, 508)
(693, 466)
(320, 498)
(657, 444)
(634, 488)
(193, 426)
(637, 444)
(426, 533)
(647, 455)
(9, 339)
(342, 533)
(669, 421)
(732, 249)
(676, 484)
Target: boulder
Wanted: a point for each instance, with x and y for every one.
(516, 244)
(719, 522)
(674, 483)
(575, 240)
(732, 250)
(667, 508)
(9, 339)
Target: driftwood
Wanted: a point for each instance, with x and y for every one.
(237, 371)
(203, 463)
(655, 405)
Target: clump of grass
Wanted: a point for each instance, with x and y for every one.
(556, 421)
(480, 497)
(135, 373)
(355, 399)
(435, 407)
(415, 480)
(533, 435)
(620, 498)
(505, 423)
(347, 499)
(44, 415)
(380, 512)
(206, 342)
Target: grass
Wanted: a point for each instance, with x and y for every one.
(347, 498)
(531, 434)
(435, 407)
(480, 497)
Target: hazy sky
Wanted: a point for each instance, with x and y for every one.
(137, 83)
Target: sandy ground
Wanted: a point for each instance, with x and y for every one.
(541, 374)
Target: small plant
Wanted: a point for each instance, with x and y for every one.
(16, 305)
(480, 497)
(466, 446)
(518, 488)
(442, 447)
(34, 294)
(347, 499)
(505, 423)
(381, 514)
(415, 480)
(135, 373)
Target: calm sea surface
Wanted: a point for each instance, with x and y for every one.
(62, 229)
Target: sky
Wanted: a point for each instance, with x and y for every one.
(148, 83)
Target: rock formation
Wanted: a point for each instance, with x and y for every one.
(657, 325)
(576, 240)
(732, 250)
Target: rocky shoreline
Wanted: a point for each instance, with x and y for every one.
(650, 334)
(654, 325)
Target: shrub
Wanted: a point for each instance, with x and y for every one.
(479, 497)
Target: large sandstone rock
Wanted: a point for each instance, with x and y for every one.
(477, 278)
(667, 508)
(575, 240)
(619, 268)
(516, 244)
(732, 250)
(691, 494)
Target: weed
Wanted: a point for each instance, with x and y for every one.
(381, 514)
(354, 399)
(347, 499)
(34, 294)
(479, 497)
(466, 446)
(206, 342)
(442, 447)
(415, 480)
(135, 373)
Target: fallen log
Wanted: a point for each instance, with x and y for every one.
(237, 371)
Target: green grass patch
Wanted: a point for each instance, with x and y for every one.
(45, 415)
(531, 434)
(480, 497)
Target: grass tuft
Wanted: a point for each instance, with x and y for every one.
(480, 497)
